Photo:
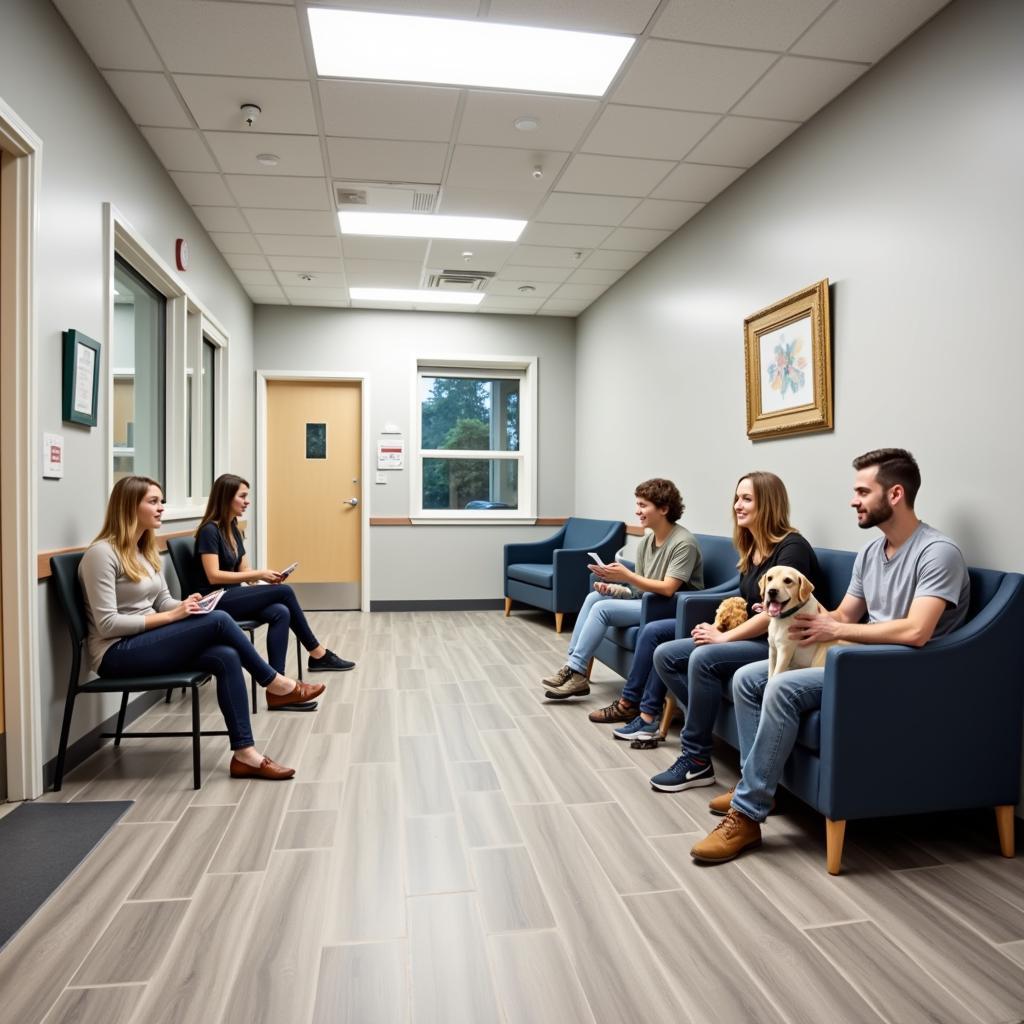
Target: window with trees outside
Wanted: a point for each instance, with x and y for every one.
(475, 456)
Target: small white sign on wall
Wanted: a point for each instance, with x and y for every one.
(391, 453)
(53, 456)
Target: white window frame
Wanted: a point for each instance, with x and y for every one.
(187, 321)
(525, 369)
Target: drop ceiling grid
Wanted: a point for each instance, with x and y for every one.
(621, 172)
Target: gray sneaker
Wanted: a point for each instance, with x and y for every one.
(560, 678)
(577, 685)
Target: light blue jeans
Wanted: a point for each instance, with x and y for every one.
(767, 720)
(596, 615)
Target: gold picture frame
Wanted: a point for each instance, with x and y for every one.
(789, 366)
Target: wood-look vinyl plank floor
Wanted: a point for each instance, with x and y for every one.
(473, 776)
(95, 1005)
(487, 819)
(510, 894)
(363, 984)
(653, 813)
(307, 830)
(522, 778)
(252, 830)
(435, 859)
(459, 734)
(425, 786)
(416, 713)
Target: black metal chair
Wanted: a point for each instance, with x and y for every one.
(69, 592)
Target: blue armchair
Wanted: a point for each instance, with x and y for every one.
(552, 573)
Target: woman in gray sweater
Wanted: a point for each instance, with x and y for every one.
(137, 628)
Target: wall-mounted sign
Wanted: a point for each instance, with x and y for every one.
(53, 456)
(81, 378)
(316, 440)
(391, 453)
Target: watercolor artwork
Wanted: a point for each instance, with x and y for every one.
(786, 364)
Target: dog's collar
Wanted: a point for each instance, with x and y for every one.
(791, 611)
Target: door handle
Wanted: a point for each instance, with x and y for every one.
(351, 501)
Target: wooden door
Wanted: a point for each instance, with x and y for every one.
(314, 489)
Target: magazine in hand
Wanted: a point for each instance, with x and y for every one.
(285, 573)
(208, 603)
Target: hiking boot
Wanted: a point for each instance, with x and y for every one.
(638, 729)
(577, 685)
(560, 678)
(618, 711)
(730, 837)
(686, 773)
(720, 804)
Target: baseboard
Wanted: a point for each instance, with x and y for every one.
(88, 744)
(462, 605)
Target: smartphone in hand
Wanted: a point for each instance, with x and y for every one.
(596, 557)
(285, 573)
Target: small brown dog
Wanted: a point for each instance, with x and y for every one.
(730, 614)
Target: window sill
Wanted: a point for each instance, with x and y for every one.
(477, 519)
(178, 512)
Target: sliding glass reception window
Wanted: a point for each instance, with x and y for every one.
(473, 455)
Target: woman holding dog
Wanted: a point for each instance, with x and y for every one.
(222, 562)
(696, 670)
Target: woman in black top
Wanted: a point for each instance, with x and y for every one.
(221, 562)
(698, 670)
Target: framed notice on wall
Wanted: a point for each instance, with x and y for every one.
(81, 378)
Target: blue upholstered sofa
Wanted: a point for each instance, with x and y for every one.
(905, 730)
(552, 573)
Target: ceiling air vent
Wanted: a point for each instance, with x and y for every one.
(459, 280)
(385, 196)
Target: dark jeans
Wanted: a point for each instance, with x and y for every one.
(698, 676)
(643, 686)
(210, 643)
(277, 606)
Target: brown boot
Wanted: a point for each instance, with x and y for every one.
(720, 804)
(618, 711)
(734, 834)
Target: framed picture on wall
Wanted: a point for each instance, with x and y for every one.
(789, 366)
(81, 378)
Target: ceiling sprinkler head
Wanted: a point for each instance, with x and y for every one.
(537, 172)
(526, 289)
(467, 256)
(528, 123)
(305, 276)
(250, 111)
(268, 159)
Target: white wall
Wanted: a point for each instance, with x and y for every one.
(415, 563)
(91, 155)
(906, 193)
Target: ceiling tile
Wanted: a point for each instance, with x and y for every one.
(488, 310)
(318, 296)
(299, 245)
(437, 8)
(472, 202)
(484, 167)
(375, 110)
(512, 272)
(741, 141)
(612, 259)
(238, 261)
(758, 24)
(369, 247)
(280, 193)
(865, 29)
(640, 131)
(488, 120)
(180, 149)
(578, 236)
(292, 222)
(627, 17)
(266, 296)
(386, 160)
(696, 183)
(612, 175)
(148, 98)
(202, 189)
(215, 102)
(544, 256)
(798, 87)
(383, 273)
(511, 303)
(110, 33)
(561, 307)
(586, 275)
(195, 35)
(579, 292)
(305, 263)
(293, 280)
(261, 277)
(446, 254)
(221, 218)
(542, 289)
(236, 153)
(687, 77)
(636, 239)
(567, 208)
(234, 242)
(661, 213)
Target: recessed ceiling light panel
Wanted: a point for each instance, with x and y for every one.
(399, 48)
(430, 225)
(420, 296)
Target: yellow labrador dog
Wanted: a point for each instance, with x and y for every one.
(785, 592)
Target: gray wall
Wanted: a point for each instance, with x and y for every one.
(417, 563)
(93, 154)
(906, 193)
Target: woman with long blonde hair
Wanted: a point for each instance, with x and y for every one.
(136, 628)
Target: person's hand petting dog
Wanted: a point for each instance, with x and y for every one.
(814, 629)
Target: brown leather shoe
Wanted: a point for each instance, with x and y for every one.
(302, 694)
(618, 711)
(267, 770)
(720, 804)
(730, 837)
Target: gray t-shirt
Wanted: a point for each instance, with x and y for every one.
(678, 557)
(928, 564)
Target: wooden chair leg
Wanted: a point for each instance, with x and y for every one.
(1004, 824)
(666, 714)
(508, 607)
(835, 832)
(559, 617)
(120, 719)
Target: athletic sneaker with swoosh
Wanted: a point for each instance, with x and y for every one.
(686, 773)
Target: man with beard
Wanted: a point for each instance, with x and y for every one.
(913, 586)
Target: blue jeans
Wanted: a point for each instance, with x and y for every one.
(596, 615)
(696, 675)
(768, 719)
(208, 643)
(276, 605)
(643, 685)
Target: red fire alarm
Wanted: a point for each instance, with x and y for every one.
(181, 254)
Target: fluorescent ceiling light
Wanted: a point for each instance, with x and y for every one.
(420, 296)
(399, 48)
(430, 225)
